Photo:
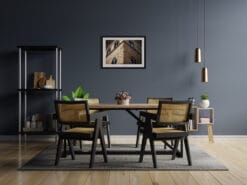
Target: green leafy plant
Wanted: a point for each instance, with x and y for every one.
(204, 97)
(78, 93)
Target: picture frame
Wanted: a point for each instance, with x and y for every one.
(124, 52)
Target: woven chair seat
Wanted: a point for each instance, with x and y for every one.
(166, 130)
(78, 130)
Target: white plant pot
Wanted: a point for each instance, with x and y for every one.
(204, 103)
(123, 102)
(79, 99)
(126, 102)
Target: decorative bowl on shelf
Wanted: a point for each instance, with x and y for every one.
(123, 98)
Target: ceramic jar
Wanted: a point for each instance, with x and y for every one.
(204, 103)
(123, 102)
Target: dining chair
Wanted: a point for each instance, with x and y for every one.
(140, 126)
(105, 121)
(174, 113)
(76, 114)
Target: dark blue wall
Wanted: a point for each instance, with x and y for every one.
(170, 30)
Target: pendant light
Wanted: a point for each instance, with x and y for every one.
(204, 69)
(198, 56)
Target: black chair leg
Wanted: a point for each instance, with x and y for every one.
(181, 147)
(164, 144)
(80, 144)
(175, 149)
(108, 135)
(144, 141)
(172, 142)
(72, 153)
(137, 136)
(187, 148)
(153, 152)
(59, 147)
(64, 149)
(93, 150)
(102, 142)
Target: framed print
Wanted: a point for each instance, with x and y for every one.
(123, 52)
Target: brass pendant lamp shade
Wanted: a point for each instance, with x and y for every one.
(198, 56)
(204, 74)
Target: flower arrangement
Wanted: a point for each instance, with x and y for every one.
(122, 97)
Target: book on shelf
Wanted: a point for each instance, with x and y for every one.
(33, 129)
(204, 120)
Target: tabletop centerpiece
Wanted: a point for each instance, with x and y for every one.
(123, 98)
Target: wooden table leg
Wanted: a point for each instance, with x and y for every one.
(210, 133)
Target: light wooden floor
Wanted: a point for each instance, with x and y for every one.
(231, 151)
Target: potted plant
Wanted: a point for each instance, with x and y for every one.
(123, 97)
(204, 101)
(77, 95)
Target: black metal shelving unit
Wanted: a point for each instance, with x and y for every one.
(24, 90)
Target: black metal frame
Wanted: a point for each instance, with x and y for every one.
(141, 36)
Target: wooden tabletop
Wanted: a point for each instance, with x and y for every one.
(131, 106)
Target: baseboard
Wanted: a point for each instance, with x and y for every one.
(14, 138)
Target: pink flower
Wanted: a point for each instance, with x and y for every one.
(122, 95)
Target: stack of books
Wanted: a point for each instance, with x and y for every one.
(204, 120)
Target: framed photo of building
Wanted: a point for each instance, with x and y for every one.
(123, 52)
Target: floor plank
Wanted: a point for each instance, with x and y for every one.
(183, 178)
(204, 178)
(119, 178)
(160, 178)
(76, 178)
(140, 178)
(226, 178)
(98, 178)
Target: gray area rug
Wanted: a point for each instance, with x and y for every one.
(200, 160)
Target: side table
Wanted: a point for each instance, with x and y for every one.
(199, 119)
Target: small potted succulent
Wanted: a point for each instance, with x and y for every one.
(204, 101)
(77, 95)
(123, 97)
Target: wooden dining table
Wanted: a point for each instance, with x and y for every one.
(129, 108)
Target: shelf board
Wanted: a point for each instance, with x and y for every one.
(210, 123)
(39, 132)
(193, 130)
(209, 108)
(39, 48)
(38, 90)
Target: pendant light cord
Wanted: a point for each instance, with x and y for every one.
(204, 33)
(197, 25)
